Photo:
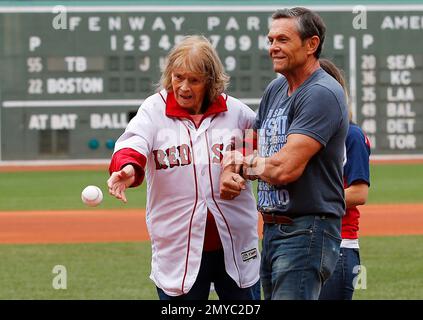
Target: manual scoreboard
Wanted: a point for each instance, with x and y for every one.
(72, 77)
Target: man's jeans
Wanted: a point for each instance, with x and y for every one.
(298, 258)
(340, 286)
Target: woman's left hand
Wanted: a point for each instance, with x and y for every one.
(231, 185)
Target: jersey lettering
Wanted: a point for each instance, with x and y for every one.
(217, 150)
(160, 158)
(172, 157)
(184, 154)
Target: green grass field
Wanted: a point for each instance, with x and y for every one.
(61, 190)
(393, 265)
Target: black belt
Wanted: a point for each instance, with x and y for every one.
(276, 218)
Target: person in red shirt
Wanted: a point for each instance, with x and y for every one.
(340, 286)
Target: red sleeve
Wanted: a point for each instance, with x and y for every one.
(250, 142)
(247, 145)
(129, 156)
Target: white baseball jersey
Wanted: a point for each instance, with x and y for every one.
(183, 173)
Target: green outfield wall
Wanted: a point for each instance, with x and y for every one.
(73, 73)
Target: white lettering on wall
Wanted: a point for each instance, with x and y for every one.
(402, 22)
(38, 122)
(108, 121)
(63, 121)
(401, 62)
(74, 85)
(54, 121)
(399, 109)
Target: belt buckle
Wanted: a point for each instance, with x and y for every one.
(269, 211)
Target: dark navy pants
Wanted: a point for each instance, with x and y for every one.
(212, 269)
(340, 285)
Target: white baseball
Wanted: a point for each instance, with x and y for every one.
(92, 196)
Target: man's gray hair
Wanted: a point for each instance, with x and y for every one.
(309, 24)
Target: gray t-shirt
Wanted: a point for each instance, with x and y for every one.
(316, 109)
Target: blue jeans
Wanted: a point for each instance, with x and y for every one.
(340, 286)
(298, 258)
(212, 269)
(256, 290)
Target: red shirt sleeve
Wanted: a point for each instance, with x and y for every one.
(250, 142)
(127, 156)
(247, 145)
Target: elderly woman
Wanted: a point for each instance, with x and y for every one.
(177, 138)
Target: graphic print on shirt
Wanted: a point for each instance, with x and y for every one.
(272, 137)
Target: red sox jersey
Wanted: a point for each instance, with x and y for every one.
(183, 166)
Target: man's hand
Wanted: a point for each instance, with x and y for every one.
(232, 160)
(119, 181)
(252, 166)
(231, 185)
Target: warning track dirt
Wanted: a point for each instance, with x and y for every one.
(129, 225)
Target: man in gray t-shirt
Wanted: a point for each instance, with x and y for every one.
(317, 110)
(301, 127)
